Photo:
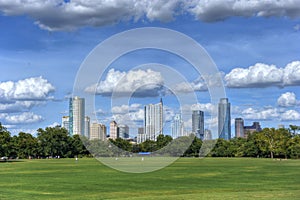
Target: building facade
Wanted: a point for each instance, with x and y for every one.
(76, 116)
(207, 134)
(224, 119)
(198, 123)
(97, 131)
(65, 122)
(113, 130)
(177, 126)
(239, 127)
(153, 120)
(123, 131)
(251, 129)
(87, 127)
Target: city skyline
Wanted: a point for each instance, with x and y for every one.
(256, 49)
(153, 120)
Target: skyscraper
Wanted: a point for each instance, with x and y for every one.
(97, 131)
(65, 122)
(224, 119)
(123, 131)
(87, 127)
(153, 120)
(207, 134)
(239, 127)
(76, 116)
(198, 123)
(177, 128)
(113, 130)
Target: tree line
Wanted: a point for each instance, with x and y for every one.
(56, 142)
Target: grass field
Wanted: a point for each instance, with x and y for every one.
(187, 178)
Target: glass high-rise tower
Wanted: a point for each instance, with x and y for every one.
(177, 128)
(198, 123)
(76, 116)
(224, 119)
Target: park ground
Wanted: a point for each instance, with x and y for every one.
(187, 178)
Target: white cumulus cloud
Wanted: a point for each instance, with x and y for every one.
(290, 115)
(35, 88)
(122, 109)
(18, 106)
(55, 15)
(139, 83)
(263, 75)
(208, 10)
(22, 118)
(54, 124)
(263, 114)
(287, 99)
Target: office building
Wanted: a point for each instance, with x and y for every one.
(177, 127)
(198, 123)
(141, 137)
(153, 120)
(65, 122)
(140, 130)
(239, 127)
(251, 129)
(123, 131)
(87, 127)
(113, 130)
(224, 119)
(207, 134)
(97, 131)
(76, 116)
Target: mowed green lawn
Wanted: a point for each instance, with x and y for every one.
(187, 178)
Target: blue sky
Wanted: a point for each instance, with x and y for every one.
(255, 45)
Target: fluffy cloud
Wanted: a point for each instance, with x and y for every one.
(263, 75)
(36, 88)
(207, 107)
(290, 115)
(18, 106)
(264, 114)
(201, 83)
(54, 124)
(62, 15)
(287, 99)
(23, 118)
(219, 10)
(139, 83)
(126, 108)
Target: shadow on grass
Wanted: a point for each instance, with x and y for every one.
(9, 161)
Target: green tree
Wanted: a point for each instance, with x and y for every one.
(251, 146)
(4, 141)
(27, 145)
(163, 140)
(77, 146)
(122, 144)
(237, 147)
(194, 148)
(294, 147)
(222, 149)
(294, 129)
(53, 141)
(148, 146)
